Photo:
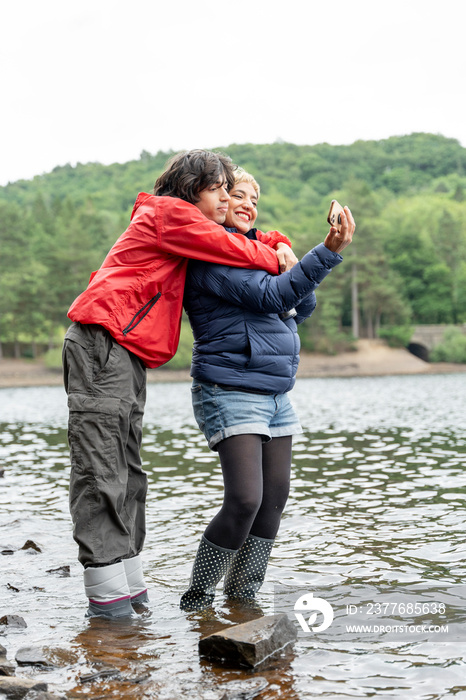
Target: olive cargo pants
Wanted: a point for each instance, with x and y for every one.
(106, 387)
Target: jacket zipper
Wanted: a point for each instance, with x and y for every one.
(143, 311)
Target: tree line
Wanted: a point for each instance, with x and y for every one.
(407, 264)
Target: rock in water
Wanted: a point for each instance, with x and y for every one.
(16, 688)
(13, 621)
(31, 656)
(6, 667)
(109, 672)
(60, 571)
(30, 544)
(7, 549)
(252, 642)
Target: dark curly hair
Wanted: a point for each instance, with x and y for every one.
(189, 172)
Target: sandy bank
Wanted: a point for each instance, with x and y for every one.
(372, 358)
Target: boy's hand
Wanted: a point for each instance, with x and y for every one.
(286, 258)
(336, 241)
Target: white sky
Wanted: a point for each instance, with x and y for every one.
(101, 80)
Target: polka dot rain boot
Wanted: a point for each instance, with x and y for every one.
(247, 571)
(209, 568)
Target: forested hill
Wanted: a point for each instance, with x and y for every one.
(407, 195)
(399, 164)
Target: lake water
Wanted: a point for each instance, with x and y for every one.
(375, 519)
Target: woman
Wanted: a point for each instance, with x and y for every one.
(245, 360)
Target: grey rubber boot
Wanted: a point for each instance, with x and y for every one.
(247, 571)
(108, 591)
(210, 566)
(135, 579)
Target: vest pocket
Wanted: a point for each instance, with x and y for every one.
(143, 311)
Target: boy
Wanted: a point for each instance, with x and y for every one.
(128, 319)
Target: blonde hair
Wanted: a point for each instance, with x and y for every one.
(242, 176)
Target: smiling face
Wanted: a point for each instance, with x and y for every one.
(213, 201)
(242, 207)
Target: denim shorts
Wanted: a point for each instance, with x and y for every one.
(221, 413)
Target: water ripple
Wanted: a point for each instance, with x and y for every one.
(377, 499)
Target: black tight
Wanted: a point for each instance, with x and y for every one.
(256, 477)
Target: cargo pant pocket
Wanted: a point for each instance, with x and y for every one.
(93, 433)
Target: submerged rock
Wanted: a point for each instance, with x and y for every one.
(106, 672)
(13, 621)
(244, 689)
(252, 642)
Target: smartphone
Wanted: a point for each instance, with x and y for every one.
(334, 218)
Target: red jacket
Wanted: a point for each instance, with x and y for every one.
(137, 294)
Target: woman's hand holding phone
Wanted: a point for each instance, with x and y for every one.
(342, 228)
